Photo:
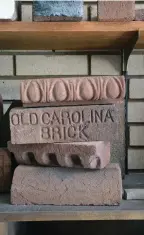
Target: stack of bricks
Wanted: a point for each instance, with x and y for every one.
(63, 139)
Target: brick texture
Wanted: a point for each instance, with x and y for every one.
(62, 186)
(135, 112)
(93, 155)
(6, 65)
(136, 88)
(135, 159)
(116, 10)
(52, 65)
(136, 135)
(105, 65)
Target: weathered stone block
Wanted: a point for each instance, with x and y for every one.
(116, 10)
(61, 10)
(93, 155)
(100, 89)
(8, 10)
(5, 170)
(63, 186)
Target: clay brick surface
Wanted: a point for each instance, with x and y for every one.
(116, 10)
(93, 155)
(5, 170)
(65, 124)
(139, 15)
(106, 89)
(63, 186)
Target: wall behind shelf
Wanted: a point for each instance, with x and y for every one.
(18, 65)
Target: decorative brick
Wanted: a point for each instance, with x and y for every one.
(136, 88)
(5, 170)
(64, 124)
(60, 10)
(8, 10)
(105, 65)
(135, 111)
(52, 65)
(116, 10)
(77, 90)
(93, 155)
(62, 186)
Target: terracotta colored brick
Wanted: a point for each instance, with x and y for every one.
(139, 15)
(104, 89)
(64, 124)
(93, 155)
(62, 186)
(116, 10)
(5, 170)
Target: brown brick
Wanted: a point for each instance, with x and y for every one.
(93, 155)
(63, 186)
(139, 15)
(65, 124)
(5, 170)
(104, 89)
(116, 10)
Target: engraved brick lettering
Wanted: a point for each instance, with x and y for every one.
(55, 118)
(65, 117)
(33, 118)
(56, 132)
(108, 116)
(71, 132)
(45, 133)
(76, 117)
(46, 118)
(15, 119)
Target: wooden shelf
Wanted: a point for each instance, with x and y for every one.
(128, 210)
(69, 35)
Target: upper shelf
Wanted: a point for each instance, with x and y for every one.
(69, 35)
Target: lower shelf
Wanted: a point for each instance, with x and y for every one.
(128, 210)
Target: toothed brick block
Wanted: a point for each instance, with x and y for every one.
(93, 155)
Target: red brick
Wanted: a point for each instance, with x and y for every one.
(100, 89)
(116, 10)
(63, 186)
(93, 155)
(5, 170)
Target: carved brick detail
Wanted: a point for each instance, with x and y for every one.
(93, 155)
(72, 89)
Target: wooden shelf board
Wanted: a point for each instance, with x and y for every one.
(128, 210)
(69, 35)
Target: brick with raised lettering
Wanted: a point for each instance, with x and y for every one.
(65, 186)
(5, 170)
(93, 155)
(116, 10)
(102, 89)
